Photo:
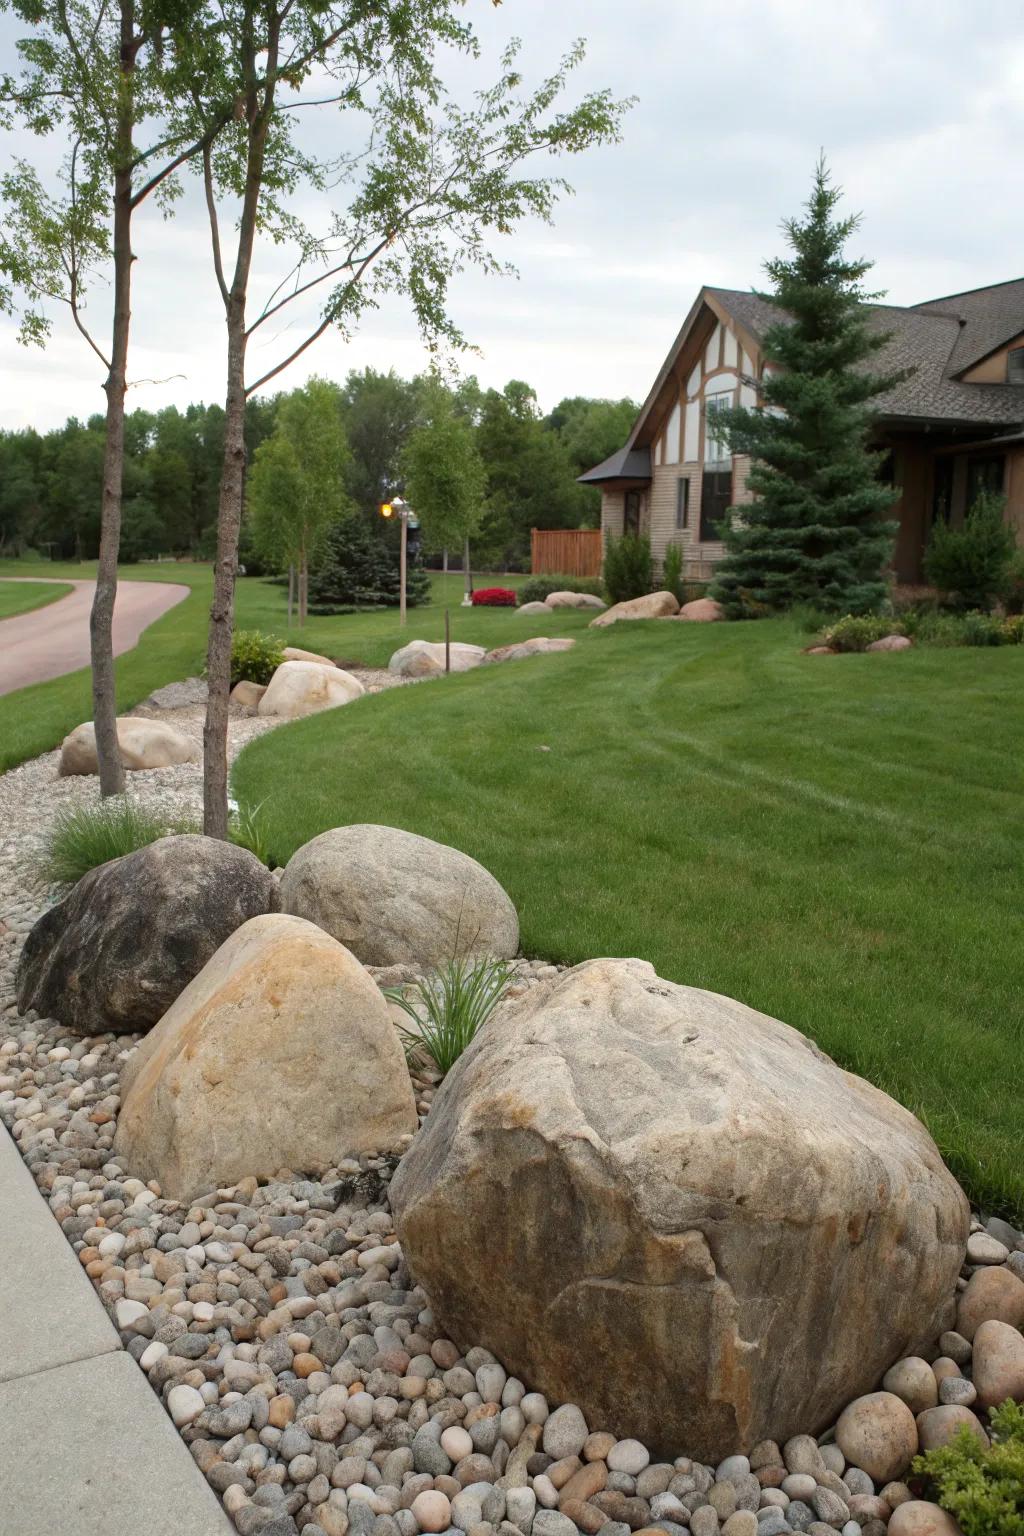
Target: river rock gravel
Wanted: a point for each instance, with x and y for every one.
(299, 1360)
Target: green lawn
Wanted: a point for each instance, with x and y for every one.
(22, 597)
(836, 841)
(33, 720)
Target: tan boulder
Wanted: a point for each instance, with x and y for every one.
(617, 1161)
(248, 694)
(539, 646)
(301, 688)
(937, 1426)
(294, 653)
(914, 1381)
(997, 1364)
(532, 609)
(398, 899)
(992, 1292)
(280, 1054)
(703, 610)
(656, 605)
(142, 744)
(891, 643)
(573, 600)
(425, 658)
(917, 1517)
(877, 1433)
(820, 650)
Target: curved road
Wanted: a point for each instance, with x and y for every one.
(50, 641)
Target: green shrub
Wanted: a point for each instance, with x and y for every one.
(982, 629)
(971, 564)
(628, 568)
(1013, 596)
(982, 1487)
(453, 1005)
(856, 632)
(1013, 629)
(83, 837)
(539, 587)
(672, 573)
(255, 657)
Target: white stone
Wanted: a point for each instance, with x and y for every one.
(184, 1404)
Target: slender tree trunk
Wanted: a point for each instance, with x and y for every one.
(468, 578)
(222, 609)
(444, 561)
(291, 592)
(303, 588)
(101, 618)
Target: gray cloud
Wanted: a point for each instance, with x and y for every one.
(919, 106)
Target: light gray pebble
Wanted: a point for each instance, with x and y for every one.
(565, 1431)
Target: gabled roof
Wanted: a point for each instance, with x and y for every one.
(989, 318)
(938, 340)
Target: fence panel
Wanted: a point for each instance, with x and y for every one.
(566, 551)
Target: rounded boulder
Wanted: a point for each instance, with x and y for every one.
(300, 688)
(877, 1433)
(618, 1161)
(141, 743)
(279, 1054)
(117, 951)
(656, 605)
(394, 898)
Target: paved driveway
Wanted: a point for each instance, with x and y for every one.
(38, 646)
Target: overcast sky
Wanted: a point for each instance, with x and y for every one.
(919, 105)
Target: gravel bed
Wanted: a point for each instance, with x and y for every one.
(285, 1335)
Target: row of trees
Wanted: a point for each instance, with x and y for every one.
(135, 93)
(50, 483)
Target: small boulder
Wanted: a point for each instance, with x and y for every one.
(937, 1426)
(656, 605)
(991, 1292)
(532, 609)
(820, 650)
(891, 643)
(573, 600)
(917, 1517)
(279, 1054)
(539, 646)
(913, 1380)
(617, 1161)
(877, 1433)
(997, 1364)
(425, 658)
(703, 610)
(398, 899)
(142, 743)
(116, 952)
(300, 688)
(247, 694)
(295, 653)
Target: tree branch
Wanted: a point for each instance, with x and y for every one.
(211, 208)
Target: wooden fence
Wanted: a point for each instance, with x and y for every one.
(566, 551)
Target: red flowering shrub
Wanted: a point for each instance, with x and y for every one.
(494, 597)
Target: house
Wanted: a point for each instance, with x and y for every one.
(953, 428)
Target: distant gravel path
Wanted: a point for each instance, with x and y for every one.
(48, 642)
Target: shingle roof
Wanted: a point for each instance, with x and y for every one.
(929, 340)
(990, 316)
(627, 464)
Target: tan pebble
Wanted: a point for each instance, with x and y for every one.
(582, 1485)
(559, 1472)
(914, 1381)
(281, 1411)
(456, 1443)
(894, 1494)
(586, 1516)
(941, 1368)
(937, 1426)
(597, 1446)
(919, 1518)
(992, 1293)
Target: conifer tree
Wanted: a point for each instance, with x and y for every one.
(817, 531)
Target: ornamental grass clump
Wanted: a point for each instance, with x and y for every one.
(450, 1007)
(85, 836)
(982, 1486)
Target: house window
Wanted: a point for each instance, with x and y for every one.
(716, 440)
(715, 498)
(682, 502)
(1015, 365)
(631, 513)
(984, 474)
(942, 499)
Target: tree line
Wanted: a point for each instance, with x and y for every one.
(129, 97)
(50, 482)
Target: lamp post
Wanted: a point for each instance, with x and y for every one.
(396, 507)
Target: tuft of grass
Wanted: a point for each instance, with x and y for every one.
(249, 828)
(86, 836)
(453, 1005)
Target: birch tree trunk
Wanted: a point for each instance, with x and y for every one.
(101, 617)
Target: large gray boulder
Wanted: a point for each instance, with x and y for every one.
(677, 1213)
(116, 952)
(279, 1054)
(394, 898)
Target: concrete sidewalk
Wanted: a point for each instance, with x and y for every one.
(86, 1446)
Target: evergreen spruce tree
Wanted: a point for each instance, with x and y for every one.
(817, 532)
(359, 568)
